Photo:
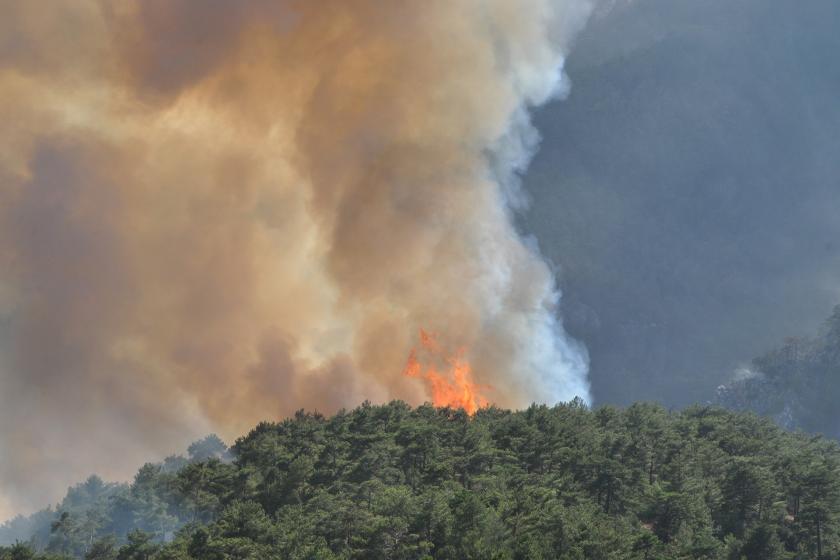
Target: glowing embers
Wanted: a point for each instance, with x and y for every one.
(449, 378)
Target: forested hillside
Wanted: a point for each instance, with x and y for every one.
(393, 481)
(798, 383)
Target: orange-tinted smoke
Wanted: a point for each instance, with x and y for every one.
(216, 212)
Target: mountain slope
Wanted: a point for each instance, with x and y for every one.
(687, 189)
(393, 481)
(796, 384)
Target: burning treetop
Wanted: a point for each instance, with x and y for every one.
(449, 378)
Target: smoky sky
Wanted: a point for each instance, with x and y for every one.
(689, 189)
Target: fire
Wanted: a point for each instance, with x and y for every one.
(452, 385)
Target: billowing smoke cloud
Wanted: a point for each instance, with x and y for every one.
(213, 213)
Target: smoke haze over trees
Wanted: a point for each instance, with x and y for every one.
(797, 384)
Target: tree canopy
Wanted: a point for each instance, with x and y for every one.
(396, 482)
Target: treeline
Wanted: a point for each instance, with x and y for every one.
(395, 482)
(798, 383)
(94, 508)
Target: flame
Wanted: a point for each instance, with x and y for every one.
(450, 386)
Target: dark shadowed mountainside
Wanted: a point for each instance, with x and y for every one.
(689, 189)
(798, 383)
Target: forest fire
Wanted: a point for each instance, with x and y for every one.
(450, 385)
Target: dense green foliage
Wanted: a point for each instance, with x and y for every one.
(395, 482)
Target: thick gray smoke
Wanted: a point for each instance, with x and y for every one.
(689, 188)
(213, 213)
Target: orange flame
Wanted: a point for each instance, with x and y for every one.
(453, 387)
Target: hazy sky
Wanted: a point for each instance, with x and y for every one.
(689, 189)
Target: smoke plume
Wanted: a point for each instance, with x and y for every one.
(213, 213)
